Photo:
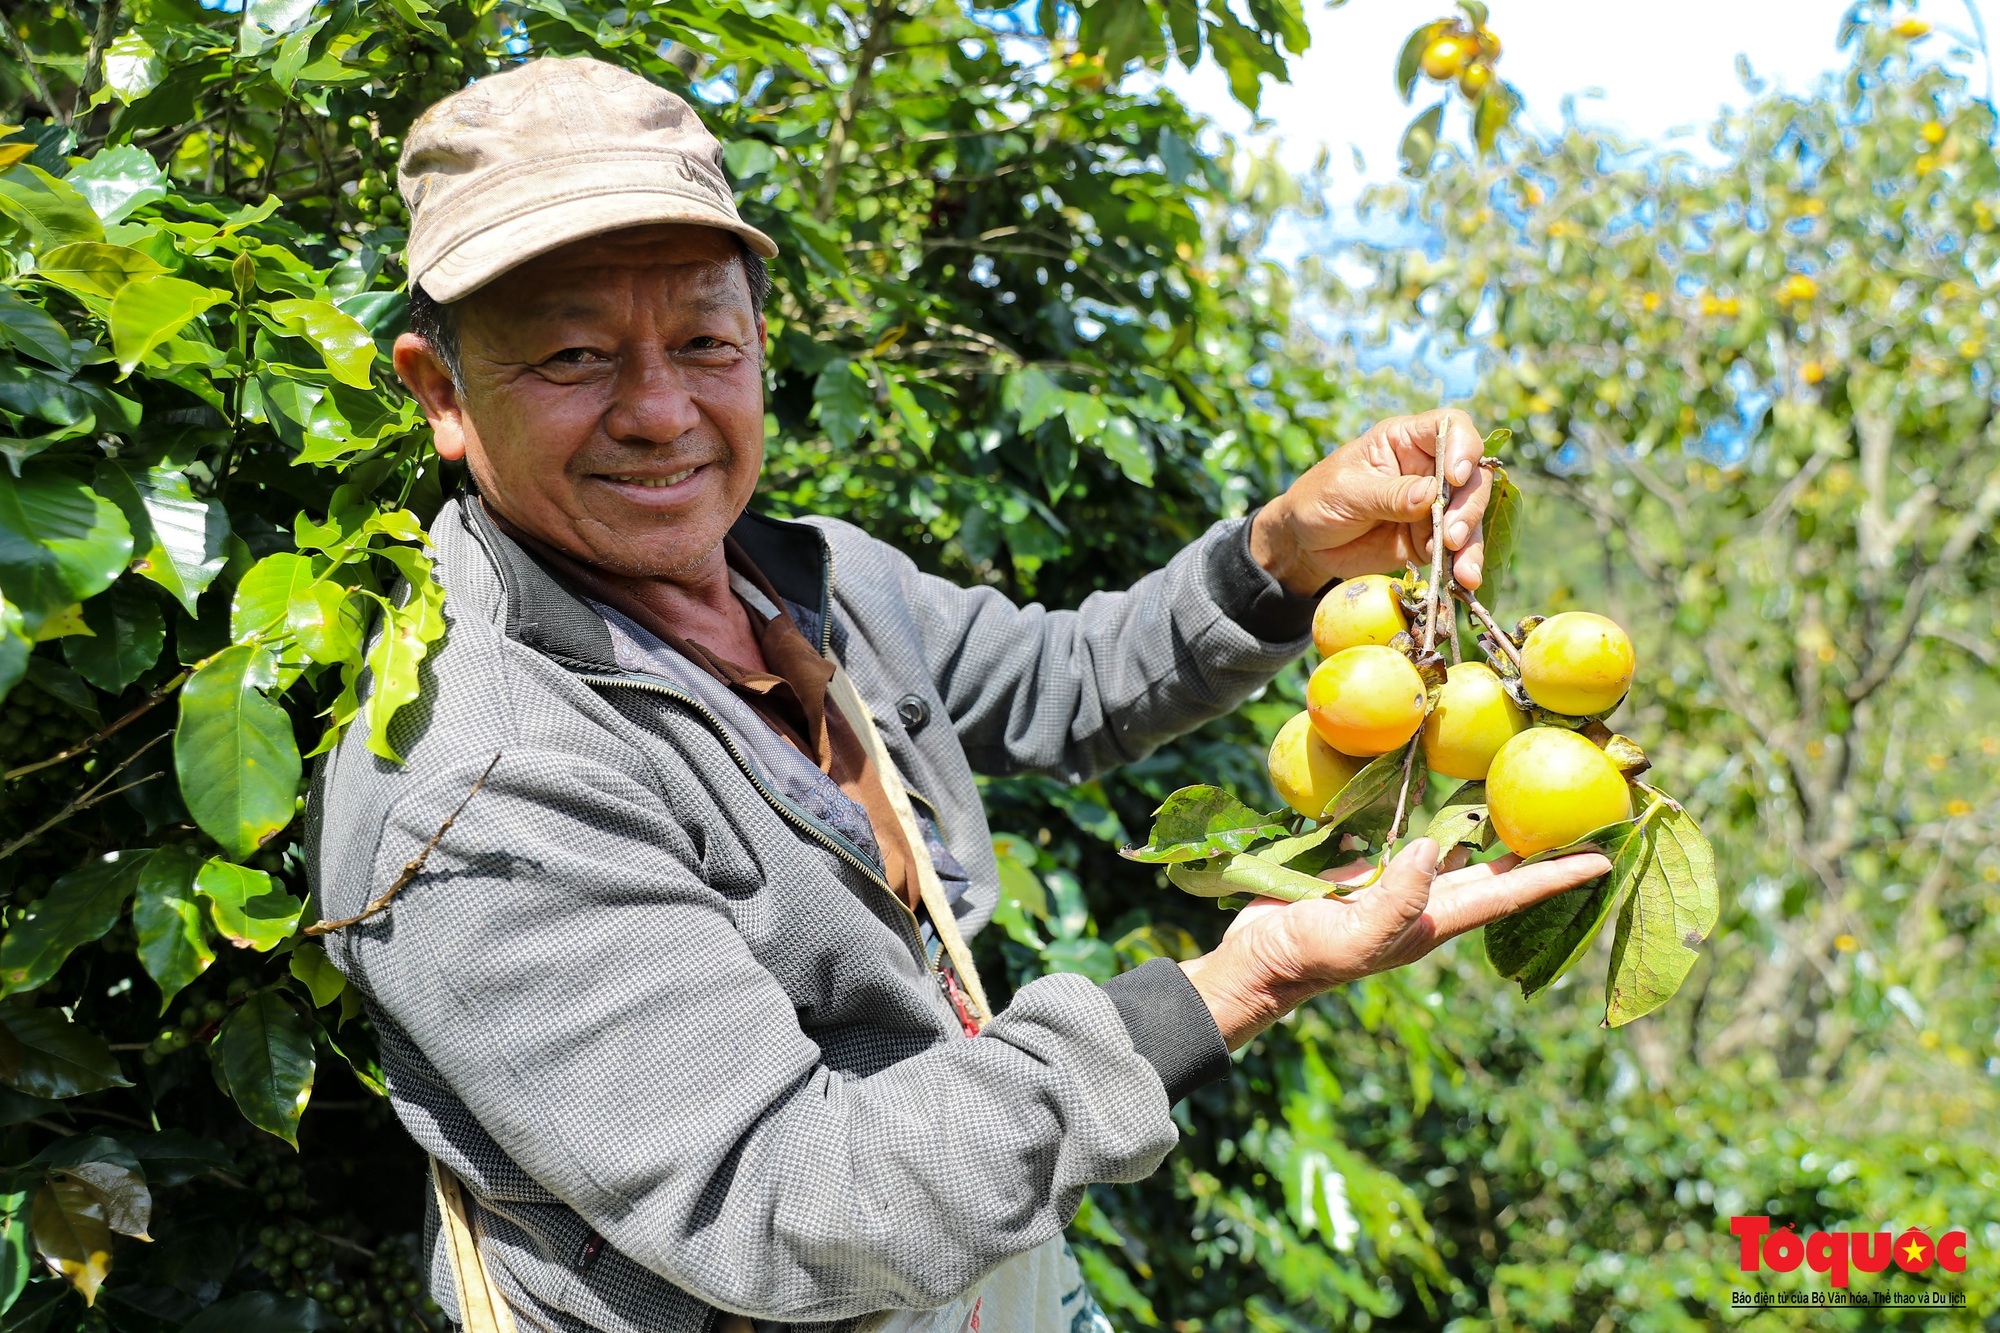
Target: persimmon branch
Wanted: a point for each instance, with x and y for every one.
(411, 868)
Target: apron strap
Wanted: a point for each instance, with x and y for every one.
(481, 1308)
(942, 921)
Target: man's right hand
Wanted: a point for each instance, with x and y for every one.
(1277, 955)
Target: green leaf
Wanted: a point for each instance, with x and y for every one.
(1538, 944)
(343, 344)
(264, 594)
(43, 1054)
(400, 649)
(1420, 141)
(1494, 110)
(265, 1053)
(173, 942)
(1245, 873)
(78, 908)
(322, 979)
(31, 329)
(72, 1236)
(53, 213)
(1133, 453)
(1502, 525)
(1195, 823)
(132, 68)
(127, 632)
(60, 542)
(234, 752)
(1033, 397)
(14, 1262)
(247, 908)
(1670, 913)
(108, 1170)
(1365, 788)
(1411, 59)
(1462, 819)
(93, 268)
(174, 1156)
(119, 181)
(151, 310)
(264, 1312)
(15, 645)
(328, 623)
(181, 543)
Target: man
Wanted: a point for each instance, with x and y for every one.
(679, 1003)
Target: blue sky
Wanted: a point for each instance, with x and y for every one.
(1648, 69)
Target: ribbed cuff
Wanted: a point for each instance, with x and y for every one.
(1170, 1026)
(1248, 594)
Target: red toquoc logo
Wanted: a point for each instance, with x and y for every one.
(1832, 1252)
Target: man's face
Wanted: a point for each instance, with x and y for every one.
(612, 400)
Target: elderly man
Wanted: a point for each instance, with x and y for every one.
(681, 1006)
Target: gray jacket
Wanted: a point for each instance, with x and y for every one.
(672, 1029)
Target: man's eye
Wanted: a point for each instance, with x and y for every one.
(573, 356)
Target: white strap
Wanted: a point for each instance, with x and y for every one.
(481, 1308)
(863, 721)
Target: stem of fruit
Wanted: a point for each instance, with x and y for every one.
(1485, 617)
(1437, 603)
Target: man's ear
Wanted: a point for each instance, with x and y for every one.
(429, 381)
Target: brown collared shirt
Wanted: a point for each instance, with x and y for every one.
(790, 696)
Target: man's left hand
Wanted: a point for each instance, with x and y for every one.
(1366, 507)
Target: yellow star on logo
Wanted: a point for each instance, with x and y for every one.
(1914, 1250)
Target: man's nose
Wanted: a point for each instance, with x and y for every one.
(651, 400)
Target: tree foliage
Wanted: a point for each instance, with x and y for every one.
(1022, 329)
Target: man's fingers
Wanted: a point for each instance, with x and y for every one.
(1470, 901)
(1372, 497)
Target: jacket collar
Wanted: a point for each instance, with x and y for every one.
(544, 614)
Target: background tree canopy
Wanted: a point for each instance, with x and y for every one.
(1023, 329)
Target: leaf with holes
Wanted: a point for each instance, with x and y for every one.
(1462, 819)
(265, 1054)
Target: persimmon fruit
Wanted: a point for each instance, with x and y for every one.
(1472, 720)
(1365, 700)
(1445, 57)
(1358, 611)
(1308, 772)
(1577, 663)
(1547, 787)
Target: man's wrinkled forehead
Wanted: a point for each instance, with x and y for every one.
(697, 268)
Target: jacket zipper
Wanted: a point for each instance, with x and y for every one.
(792, 816)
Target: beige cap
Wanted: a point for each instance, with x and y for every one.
(550, 152)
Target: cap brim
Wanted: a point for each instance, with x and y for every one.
(481, 258)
